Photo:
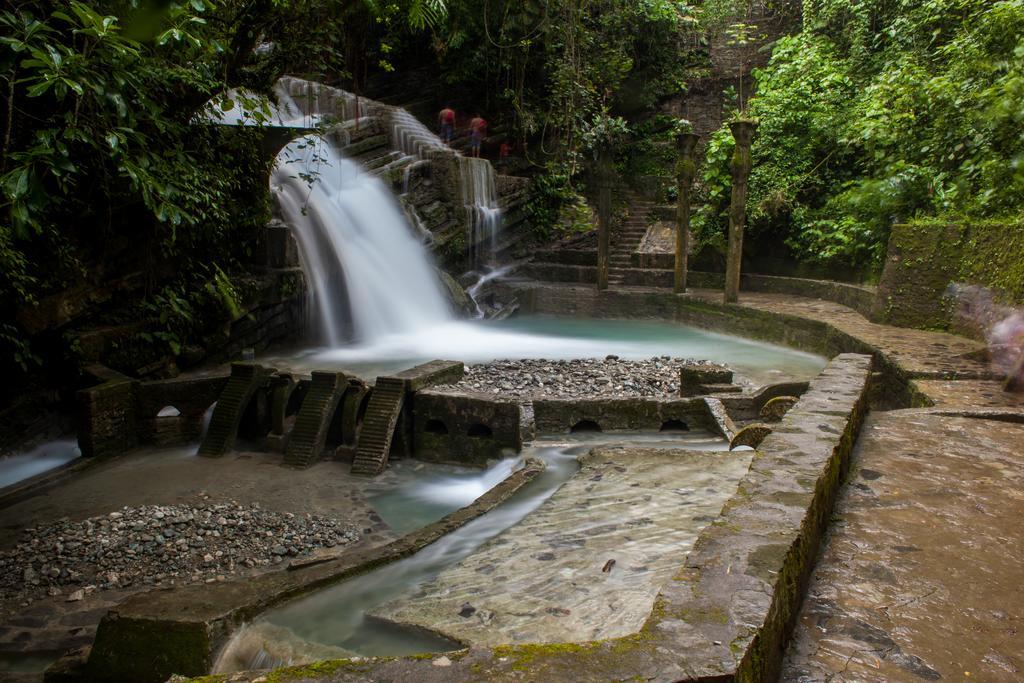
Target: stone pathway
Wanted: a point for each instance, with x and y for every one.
(921, 577)
(589, 562)
(921, 353)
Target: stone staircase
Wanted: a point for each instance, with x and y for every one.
(309, 434)
(245, 379)
(379, 424)
(627, 238)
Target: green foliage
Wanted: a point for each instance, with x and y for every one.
(879, 112)
(565, 68)
(550, 192)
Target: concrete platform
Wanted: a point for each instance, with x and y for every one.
(921, 578)
(588, 564)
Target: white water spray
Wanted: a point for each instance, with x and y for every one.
(474, 290)
(369, 277)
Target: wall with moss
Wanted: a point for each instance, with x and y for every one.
(926, 257)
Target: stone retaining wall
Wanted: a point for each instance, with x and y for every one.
(561, 416)
(930, 265)
(656, 270)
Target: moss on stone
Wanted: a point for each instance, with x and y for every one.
(324, 668)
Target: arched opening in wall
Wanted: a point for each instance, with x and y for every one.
(255, 422)
(435, 427)
(168, 411)
(584, 426)
(336, 427)
(295, 398)
(674, 426)
(361, 413)
(479, 431)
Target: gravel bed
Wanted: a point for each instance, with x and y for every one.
(159, 545)
(580, 378)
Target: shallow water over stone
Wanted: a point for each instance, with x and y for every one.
(335, 619)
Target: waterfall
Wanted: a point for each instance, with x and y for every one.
(369, 277)
(480, 197)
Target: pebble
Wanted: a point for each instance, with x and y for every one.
(153, 544)
(580, 378)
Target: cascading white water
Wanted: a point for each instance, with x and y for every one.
(474, 290)
(411, 136)
(369, 277)
(480, 196)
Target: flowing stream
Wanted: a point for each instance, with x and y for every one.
(39, 459)
(332, 622)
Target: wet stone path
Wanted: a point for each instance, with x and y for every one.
(921, 353)
(921, 576)
(587, 564)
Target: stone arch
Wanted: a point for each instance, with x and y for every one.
(584, 426)
(479, 430)
(296, 397)
(434, 426)
(674, 426)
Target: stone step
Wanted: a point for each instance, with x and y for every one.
(382, 413)
(309, 434)
(245, 379)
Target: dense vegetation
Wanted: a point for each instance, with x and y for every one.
(108, 182)
(878, 112)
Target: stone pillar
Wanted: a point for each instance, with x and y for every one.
(743, 133)
(604, 215)
(686, 143)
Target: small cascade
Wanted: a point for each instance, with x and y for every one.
(419, 230)
(480, 197)
(369, 276)
(474, 290)
(411, 136)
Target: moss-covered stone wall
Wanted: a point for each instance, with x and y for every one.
(925, 258)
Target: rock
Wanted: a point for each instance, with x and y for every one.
(580, 378)
(456, 295)
(442, 661)
(76, 596)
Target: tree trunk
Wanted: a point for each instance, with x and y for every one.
(685, 171)
(604, 216)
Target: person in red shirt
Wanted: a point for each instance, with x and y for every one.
(477, 133)
(447, 120)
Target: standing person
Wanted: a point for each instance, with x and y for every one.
(477, 132)
(447, 120)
